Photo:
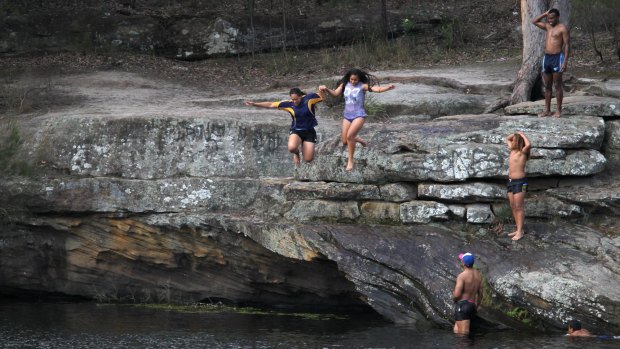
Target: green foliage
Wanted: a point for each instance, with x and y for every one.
(487, 294)
(10, 144)
(375, 109)
(408, 26)
(520, 314)
(454, 34)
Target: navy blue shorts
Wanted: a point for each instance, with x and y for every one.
(552, 63)
(517, 185)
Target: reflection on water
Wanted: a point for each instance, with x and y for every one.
(86, 325)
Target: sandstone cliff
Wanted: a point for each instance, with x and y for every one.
(152, 192)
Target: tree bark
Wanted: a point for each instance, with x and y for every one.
(384, 19)
(534, 44)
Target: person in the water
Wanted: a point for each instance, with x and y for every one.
(575, 329)
(467, 294)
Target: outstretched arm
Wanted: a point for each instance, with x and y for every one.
(260, 104)
(334, 93)
(538, 21)
(527, 143)
(380, 89)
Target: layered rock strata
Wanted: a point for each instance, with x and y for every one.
(205, 205)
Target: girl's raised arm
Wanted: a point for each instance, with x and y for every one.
(379, 89)
(334, 93)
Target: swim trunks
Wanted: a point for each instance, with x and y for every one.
(464, 309)
(552, 63)
(305, 135)
(517, 185)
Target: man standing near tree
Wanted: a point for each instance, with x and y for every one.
(556, 57)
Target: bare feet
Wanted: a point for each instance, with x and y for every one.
(517, 235)
(513, 233)
(296, 159)
(350, 166)
(557, 114)
(362, 142)
(545, 113)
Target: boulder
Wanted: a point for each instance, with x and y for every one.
(309, 210)
(458, 210)
(380, 212)
(603, 197)
(398, 192)
(422, 211)
(462, 192)
(544, 205)
(611, 147)
(458, 148)
(479, 213)
(336, 191)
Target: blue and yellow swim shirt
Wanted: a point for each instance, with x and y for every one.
(303, 115)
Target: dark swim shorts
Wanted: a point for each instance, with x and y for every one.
(552, 63)
(464, 310)
(305, 135)
(517, 185)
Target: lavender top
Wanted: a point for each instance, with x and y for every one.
(354, 98)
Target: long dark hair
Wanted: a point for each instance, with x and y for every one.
(296, 91)
(364, 77)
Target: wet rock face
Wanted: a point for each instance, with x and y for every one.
(140, 260)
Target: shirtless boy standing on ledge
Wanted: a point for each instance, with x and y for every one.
(519, 146)
(556, 56)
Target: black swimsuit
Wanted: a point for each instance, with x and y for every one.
(464, 309)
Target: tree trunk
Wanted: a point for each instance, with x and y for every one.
(252, 29)
(384, 20)
(534, 44)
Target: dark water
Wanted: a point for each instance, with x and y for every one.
(85, 325)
